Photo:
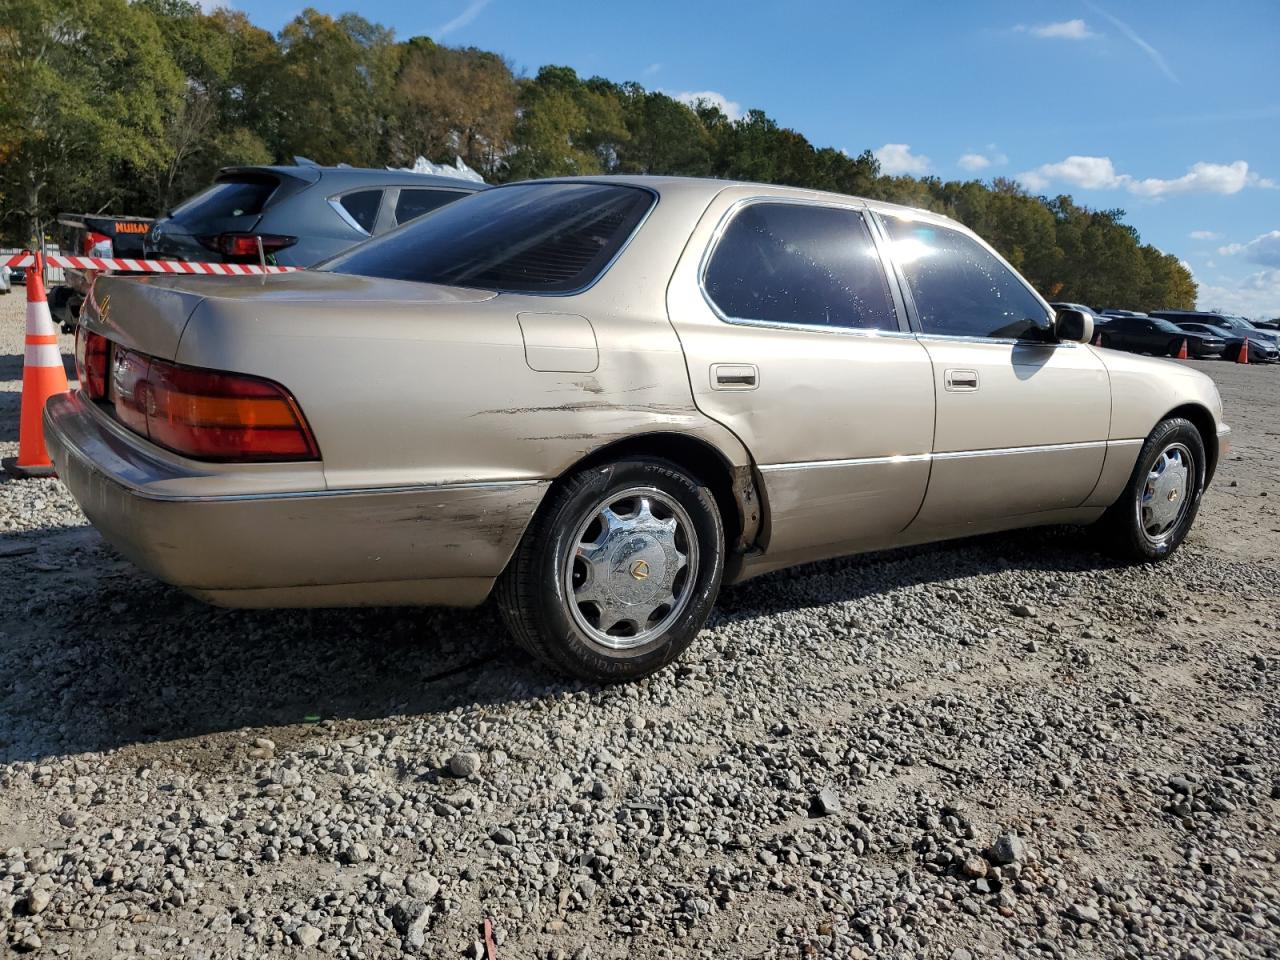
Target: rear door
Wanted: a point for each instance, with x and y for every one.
(796, 341)
(1022, 424)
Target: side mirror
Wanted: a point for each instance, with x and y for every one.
(1074, 326)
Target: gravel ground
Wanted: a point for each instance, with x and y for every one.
(997, 747)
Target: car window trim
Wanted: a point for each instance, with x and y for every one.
(914, 314)
(858, 206)
(335, 201)
(386, 218)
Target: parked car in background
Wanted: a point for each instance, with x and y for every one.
(1227, 322)
(301, 214)
(91, 235)
(601, 398)
(1139, 333)
(1097, 317)
(1273, 324)
(17, 275)
(1259, 350)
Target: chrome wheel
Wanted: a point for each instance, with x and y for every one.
(631, 568)
(1166, 496)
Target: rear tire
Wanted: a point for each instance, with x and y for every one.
(618, 571)
(1161, 500)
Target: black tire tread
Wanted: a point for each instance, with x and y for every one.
(1120, 534)
(516, 590)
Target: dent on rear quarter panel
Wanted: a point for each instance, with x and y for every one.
(402, 386)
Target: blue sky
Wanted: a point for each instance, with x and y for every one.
(1168, 110)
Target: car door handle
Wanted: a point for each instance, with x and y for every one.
(960, 381)
(734, 376)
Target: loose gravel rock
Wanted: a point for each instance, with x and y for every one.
(1095, 777)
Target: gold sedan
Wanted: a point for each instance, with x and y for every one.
(602, 398)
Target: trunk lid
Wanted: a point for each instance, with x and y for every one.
(150, 313)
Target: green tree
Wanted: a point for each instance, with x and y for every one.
(332, 92)
(664, 136)
(449, 102)
(566, 127)
(85, 87)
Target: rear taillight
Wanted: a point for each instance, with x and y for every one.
(207, 414)
(91, 363)
(244, 246)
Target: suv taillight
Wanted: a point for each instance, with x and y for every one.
(91, 362)
(244, 246)
(207, 414)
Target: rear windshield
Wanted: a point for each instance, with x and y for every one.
(526, 238)
(242, 196)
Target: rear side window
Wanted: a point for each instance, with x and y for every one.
(527, 238)
(412, 204)
(961, 289)
(800, 264)
(362, 205)
(239, 197)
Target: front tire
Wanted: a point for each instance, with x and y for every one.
(618, 571)
(1160, 502)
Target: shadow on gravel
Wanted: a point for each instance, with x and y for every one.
(106, 658)
(11, 367)
(1047, 549)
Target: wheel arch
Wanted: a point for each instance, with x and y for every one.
(1202, 419)
(733, 486)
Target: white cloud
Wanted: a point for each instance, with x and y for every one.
(1099, 173)
(990, 156)
(1088, 173)
(1226, 178)
(1263, 249)
(1211, 264)
(1152, 53)
(469, 13)
(652, 68)
(730, 108)
(897, 158)
(1256, 296)
(1204, 235)
(1061, 30)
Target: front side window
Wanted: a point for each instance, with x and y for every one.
(802, 265)
(525, 238)
(362, 206)
(959, 287)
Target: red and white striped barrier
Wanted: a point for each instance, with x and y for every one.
(145, 266)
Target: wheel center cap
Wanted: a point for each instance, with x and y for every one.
(636, 573)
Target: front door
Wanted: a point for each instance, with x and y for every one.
(1022, 423)
(795, 340)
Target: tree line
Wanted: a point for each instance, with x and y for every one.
(129, 107)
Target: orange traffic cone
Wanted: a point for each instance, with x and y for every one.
(43, 376)
(1243, 355)
(1182, 350)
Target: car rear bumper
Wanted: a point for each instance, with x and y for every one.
(421, 545)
